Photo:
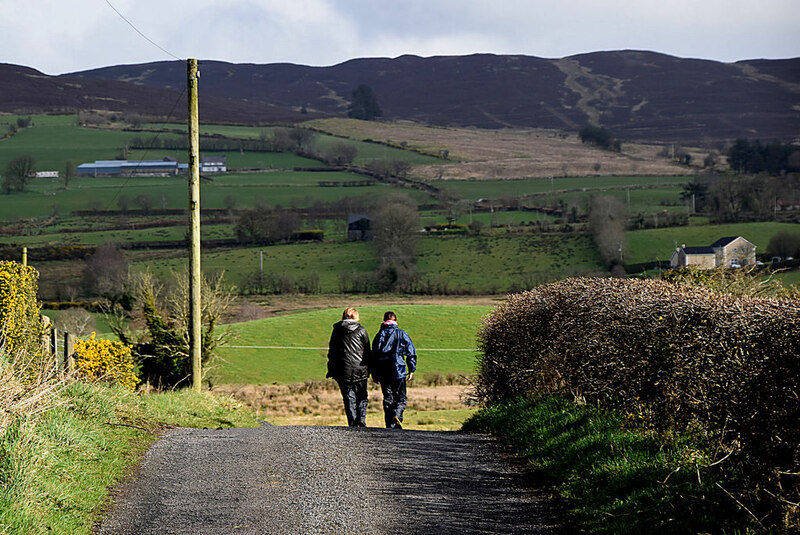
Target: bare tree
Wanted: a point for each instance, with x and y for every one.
(76, 321)
(785, 244)
(395, 224)
(608, 220)
(69, 172)
(341, 153)
(17, 172)
(144, 202)
(106, 273)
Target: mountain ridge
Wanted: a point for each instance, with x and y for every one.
(639, 95)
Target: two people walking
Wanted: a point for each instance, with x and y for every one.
(391, 359)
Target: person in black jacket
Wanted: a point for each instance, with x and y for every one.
(391, 349)
(348, 355)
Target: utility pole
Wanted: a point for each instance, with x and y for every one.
(195, 309)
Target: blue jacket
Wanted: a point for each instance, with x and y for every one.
(389, 347)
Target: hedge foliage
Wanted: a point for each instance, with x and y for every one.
(105, 360)
(672, 356)
(20, 324)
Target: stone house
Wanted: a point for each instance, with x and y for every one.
(733, 251)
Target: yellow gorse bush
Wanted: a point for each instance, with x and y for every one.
(20, 325)
(105, 360)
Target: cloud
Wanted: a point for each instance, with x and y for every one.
(57, 36)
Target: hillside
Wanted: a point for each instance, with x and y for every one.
(27, 91)
(642, 96)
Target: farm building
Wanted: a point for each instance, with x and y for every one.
(45, 174)
(359, 227)
(166, 167)
(725, 252)
(213, 164)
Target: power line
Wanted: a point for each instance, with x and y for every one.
(164, 50)
(153, 141)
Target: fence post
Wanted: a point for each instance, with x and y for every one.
(46, 336)
(54, 350)
(69, 349)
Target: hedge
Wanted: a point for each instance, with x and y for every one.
(675, 357)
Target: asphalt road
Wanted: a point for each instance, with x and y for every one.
(302, 480)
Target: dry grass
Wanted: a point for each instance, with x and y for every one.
(320, 403)
(493, 154)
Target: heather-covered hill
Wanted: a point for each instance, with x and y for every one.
(25, 91)
(643, 96)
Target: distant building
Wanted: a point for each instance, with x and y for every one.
(733, 251)
(359, 227)
(213, 164)
(165, 167)
(45, 174)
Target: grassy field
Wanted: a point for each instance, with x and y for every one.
(46, 196)
(508, 153)
(493, 189)
(433, 328)
(475, 264)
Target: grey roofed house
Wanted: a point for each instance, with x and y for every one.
(731, 251)
(214, 164)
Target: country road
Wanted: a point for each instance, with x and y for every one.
(299, 480)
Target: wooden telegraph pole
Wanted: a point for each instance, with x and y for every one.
(195, 317)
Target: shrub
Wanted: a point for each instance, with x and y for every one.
(20, 324)
(681, 357)
(104, 360)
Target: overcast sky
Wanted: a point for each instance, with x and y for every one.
(57, 36)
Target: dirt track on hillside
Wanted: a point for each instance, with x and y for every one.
(286, 480)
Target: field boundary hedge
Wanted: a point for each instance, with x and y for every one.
(671, 357)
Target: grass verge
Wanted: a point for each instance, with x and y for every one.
(616, 478)
(56, 468)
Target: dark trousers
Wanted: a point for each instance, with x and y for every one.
(394, 400)
(354, 395)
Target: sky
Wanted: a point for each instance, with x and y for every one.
(60, 36)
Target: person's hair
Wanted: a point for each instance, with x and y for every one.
(389, 316)
(350, 313)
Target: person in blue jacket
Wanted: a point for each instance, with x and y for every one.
(391, 349)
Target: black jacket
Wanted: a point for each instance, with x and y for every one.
(348, 352)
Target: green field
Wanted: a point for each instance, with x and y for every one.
(475, 264)
(45, 196)
(494, 189)
(431, 327)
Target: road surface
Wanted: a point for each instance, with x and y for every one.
(306, 480)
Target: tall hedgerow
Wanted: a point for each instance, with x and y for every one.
(679, 358)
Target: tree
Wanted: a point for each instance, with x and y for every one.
(302, 139)
(388, 168)
(105, 273)
(599, 136)
(144, 202)
(395, 225)
(69, 172)
(608, 221)
(264, 224)
(341, 153)
(785, 244)
(123, 202)
(75, 321)
(364, 105)
(162, 347)
(18, 171)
